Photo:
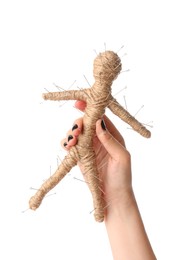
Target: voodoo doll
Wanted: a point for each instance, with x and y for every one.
(107, 66)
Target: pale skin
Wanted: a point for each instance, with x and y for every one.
(124, 225)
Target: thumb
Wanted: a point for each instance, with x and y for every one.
(113, 147)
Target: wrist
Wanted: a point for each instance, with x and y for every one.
(120, 202)
(125, 229)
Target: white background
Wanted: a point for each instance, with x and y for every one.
(47, 42)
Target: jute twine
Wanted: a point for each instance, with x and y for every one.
(107, 66)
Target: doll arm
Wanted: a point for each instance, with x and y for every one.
(119, 111)
(66, 95)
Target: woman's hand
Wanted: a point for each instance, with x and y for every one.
(126, 232)
(113, 160)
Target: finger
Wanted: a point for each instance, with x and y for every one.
(113, 130)
(79, 104)
(113, 147)
(71, 139)
(68, 142)
(77, 127)
(71, 136)
(64, 144)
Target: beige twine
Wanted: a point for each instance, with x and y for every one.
(107, 66)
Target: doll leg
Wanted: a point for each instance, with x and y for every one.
(92, 177)
(66, 165)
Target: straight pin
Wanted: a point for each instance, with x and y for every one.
(120, 48)
(97, 178)
(47, 90)
(139, 110)
(31, 188)
(92, 211)
(105, 46)
(99, 149)
(48, 195)
(59, 88)
(148, 124)
(107, 205)
(72, 84)
(59, 158)
(80, 180)
(120, 90)
(102, 165)
(125, 54)
(62, 104)
(87, 81)
(122, 71)
(95, 52)
(125, 102)
(101, 190)
(23, 211)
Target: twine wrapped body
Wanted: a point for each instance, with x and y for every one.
(107, 66)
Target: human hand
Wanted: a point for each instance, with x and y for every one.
(112, 158)
(123, 220)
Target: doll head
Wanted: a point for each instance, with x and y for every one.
(107, 66)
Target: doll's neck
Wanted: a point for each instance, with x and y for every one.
(102, 88)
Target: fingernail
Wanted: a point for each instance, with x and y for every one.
(103, 125)
(65, 144)
(74, 127)
(70, 137)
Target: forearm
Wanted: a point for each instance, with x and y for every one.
(126, 231)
